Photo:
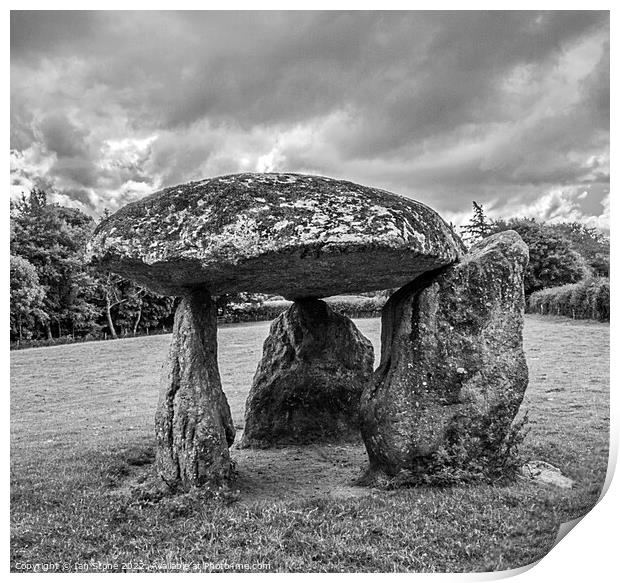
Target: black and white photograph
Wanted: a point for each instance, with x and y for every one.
(307, 291)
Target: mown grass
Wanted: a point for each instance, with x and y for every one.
(83, 493)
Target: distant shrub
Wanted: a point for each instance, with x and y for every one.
(357, 306)
(253, 311)
(553, 260)
(351, 306)
(585, 300)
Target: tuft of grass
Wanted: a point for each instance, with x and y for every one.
(85, 495)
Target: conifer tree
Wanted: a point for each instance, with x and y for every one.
(478, 227)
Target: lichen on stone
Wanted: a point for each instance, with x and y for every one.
(262, 221)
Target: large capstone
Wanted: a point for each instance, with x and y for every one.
(452, 360)
(288, 234)
(308, 384)
(193, 424)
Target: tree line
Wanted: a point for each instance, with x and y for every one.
(57, 294)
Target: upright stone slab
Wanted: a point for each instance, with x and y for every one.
(193, 424)
(308, 384)
(451, 356)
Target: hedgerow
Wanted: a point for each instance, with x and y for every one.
(585, 300)
(351, 306)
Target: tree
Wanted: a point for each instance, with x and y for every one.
(478, 227)
(131, 307)
(590, 243)
(553, 262)
(52, 238)
(113, 297)
(27, 298)
(130, 311)
(55, 290)
(128, 306)
(157, 311)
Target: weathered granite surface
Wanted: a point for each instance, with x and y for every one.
(307, 387)
(193, 424)
(452, 357)
(289, 234)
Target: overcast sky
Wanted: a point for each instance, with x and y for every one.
(510, 109)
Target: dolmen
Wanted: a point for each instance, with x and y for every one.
(451, 334)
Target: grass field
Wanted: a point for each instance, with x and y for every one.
(82, 494)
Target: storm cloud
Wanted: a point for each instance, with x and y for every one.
(507, 108)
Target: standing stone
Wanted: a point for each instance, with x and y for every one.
(308, 384)
(193, 424)
(452, 358)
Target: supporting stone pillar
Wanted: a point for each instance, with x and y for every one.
(193, 423)
(452, 370)
(307, 387)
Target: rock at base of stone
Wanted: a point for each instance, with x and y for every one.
(452, 365)
(193, 424)
(308, 384)
(544, 473)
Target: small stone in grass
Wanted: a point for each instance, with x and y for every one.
(544, 473)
